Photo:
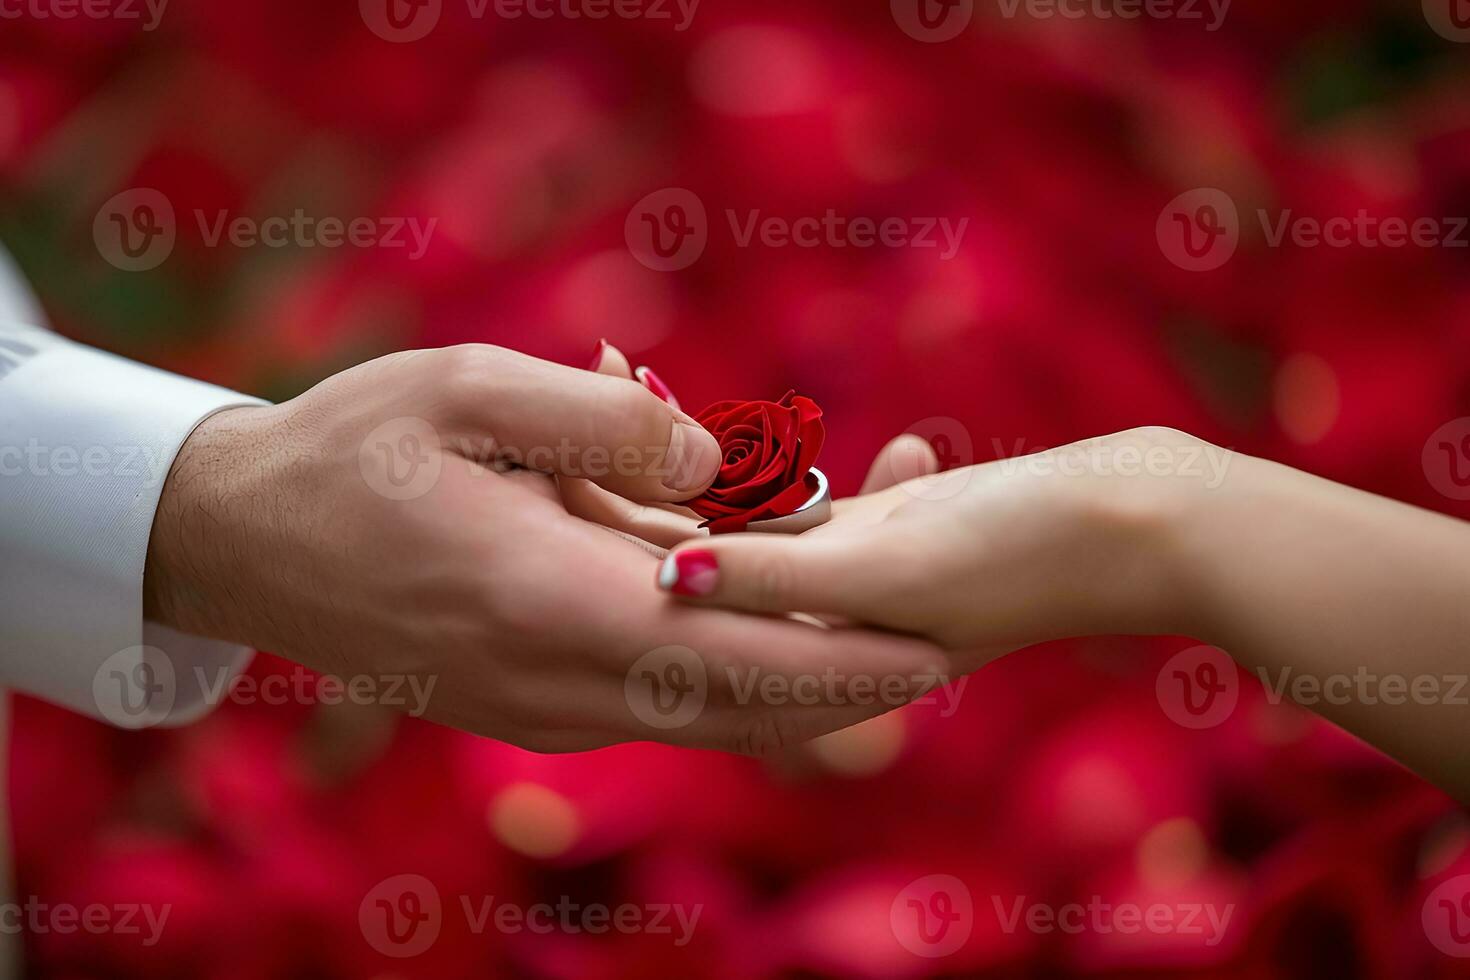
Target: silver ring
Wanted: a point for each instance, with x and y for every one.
(814, 513)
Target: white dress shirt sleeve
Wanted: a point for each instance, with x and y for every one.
(86, 440)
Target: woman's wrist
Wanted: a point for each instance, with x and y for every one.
(1202, 529)
(1161, 527)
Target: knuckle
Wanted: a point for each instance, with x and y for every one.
(772, 581)
(466, 370)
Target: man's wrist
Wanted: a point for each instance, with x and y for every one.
(187, 576)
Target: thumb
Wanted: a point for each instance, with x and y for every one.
(906, 457)
(556, 419)
(775, 573)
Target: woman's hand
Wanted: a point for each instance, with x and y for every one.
(1075, 541)
(1350, 604)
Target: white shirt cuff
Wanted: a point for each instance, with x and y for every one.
(86, 441)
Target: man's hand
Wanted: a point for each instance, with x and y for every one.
(403, 519)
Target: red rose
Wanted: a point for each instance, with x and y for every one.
(769, 449)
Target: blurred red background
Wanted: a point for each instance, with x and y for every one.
(1059, 778)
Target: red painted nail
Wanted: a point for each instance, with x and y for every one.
(691, 573)
(597, 355)
(655, 384)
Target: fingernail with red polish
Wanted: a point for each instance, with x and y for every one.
(655, 384)
(597, 355)
(690, 573)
